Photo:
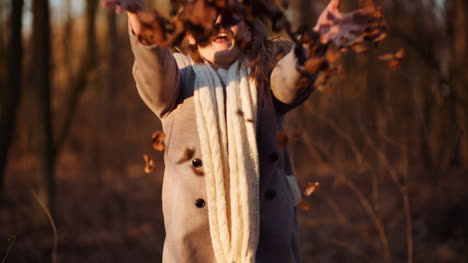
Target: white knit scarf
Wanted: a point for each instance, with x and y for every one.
(226, 119)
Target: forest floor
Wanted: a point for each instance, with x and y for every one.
(117, 218)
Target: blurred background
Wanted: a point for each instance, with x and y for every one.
(388, 147)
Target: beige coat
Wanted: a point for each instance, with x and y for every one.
(165, 82)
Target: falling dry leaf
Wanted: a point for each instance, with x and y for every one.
(304, 205)
(152, 31)
(158, 141)
(149, 164)
(188, 155)
(393, 59)
(282, 139)
(311, 187)
(346, 30)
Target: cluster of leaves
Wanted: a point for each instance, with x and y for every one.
(349, 30)
(157, 139)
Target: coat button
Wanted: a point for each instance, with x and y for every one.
(270, 194)
(200, 203)
(197, 163)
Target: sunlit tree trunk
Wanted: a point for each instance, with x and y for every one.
(67, 38)
(41, 74)
(12, 89)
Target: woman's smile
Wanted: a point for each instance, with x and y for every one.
(223, 39)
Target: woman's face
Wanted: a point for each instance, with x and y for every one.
(222, 50)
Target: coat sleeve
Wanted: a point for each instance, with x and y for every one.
(156, 75)
(283, 82)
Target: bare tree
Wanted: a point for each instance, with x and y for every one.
(51, 145)
(457, 29)
(12, 91)
(41, 74)
(78, 83)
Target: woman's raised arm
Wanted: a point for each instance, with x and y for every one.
(155, 70)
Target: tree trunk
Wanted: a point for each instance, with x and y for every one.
(460, 53)
(41, 71)
(457, 22)
(12, 91)
(80, 80)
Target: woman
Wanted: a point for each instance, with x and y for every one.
(228, 190)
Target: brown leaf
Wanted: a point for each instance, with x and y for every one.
(311, 187)
(380, 37)
(393, 59)
(359, 48)
(158, 141)
(304, 205)
(149, 164)
(282, 139)
(188, 155)
(152, 31)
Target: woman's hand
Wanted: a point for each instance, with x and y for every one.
(350, 29)
(131, 6)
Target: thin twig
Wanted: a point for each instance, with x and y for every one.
(319, 223)
(11, 241)
(353, 249)
(382, 156)
(52, 224)
(407, 206)
(409, 224)
(401, 187)
(334, 206)
(346, 136)
(375, 219)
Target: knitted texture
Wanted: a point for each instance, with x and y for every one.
(226, 120)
